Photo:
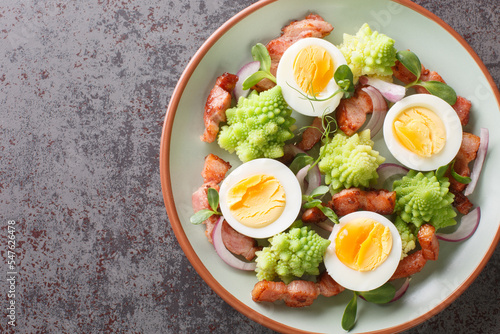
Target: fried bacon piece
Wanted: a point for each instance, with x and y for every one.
(416, 261)
(298, 293)
(312, 26)
(311, 135)
(214, 171)
(353, 199)
(313, 215)
(238, 243)
(351, 113)
(218, 101)
(466, 154)
(462, 106)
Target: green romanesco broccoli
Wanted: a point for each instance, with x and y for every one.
(408, 236)
(350, 161)
(291, 254)
(369, 53)
(258, 126)
(424, 198)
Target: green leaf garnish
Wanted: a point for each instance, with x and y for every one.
(329, 213)
(349, 317)
(260, 54)
(458, 177)
(441, 171)
(345, 79)
(300, 161)
(440, 90)
(320, 191)
(410, 61)
(310, 201)
(381, 295)
(202, 215)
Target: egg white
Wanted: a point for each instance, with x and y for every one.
(290, 89)
(450, 120)
(363, 280)
(287, 180)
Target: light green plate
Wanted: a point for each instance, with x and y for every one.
(182, 156)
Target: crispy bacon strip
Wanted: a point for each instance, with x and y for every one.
(466, 154)
(351, 113)
(218, 101)
(311, 135)
(312, 26)
(353, 199)
(214, 171)
(416, 261)
(298, 293)
(462, 106)
(238, 243)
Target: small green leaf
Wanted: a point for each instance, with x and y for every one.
(213, 199)
(300, 161)
(312, 203)
(440, 90)
(260, 53)
(441, 171)
(345, 79)
(329, 213)
(410, 61)
(458, 177)
(254, 79)
(200, 216)
(321, 190)
(381, 295)
(349, 317)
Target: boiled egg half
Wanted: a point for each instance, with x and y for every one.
(305, 71)
(364, 252)
(423, 132)
(260, 198)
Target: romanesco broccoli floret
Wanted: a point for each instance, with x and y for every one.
(291, 254)
(350, 161)
(369, 53)
(424, 198)
(258, 126)
(408, 236)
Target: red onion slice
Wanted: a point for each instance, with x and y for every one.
(478, 164)
(402, 290)
(379, 110)
(226, 255)
(243, 74)
(313, 178)
(468, 225)
(388, 170)
(325, 225)
(390, 91)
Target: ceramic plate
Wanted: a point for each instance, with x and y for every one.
(182, 156)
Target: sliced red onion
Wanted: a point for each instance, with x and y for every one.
(325, 225)
(478, 164)
(389, 90)
(402, 290)
(379, 110)
(243, 74)
(313, 178)
(468, 225)
(388, 170)
(226, 255)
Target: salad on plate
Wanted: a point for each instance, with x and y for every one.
(316, 210)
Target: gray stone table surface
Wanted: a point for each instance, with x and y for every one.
(84, 87)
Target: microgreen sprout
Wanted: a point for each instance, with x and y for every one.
(380, 295)
(202, 215)
(437, 88)
(260, 53)
(311, 201)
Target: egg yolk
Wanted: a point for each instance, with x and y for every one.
(363, 244)
(313, 69)
(420, 130)
(257, 201)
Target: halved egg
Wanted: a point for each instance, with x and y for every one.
(260, 198)
(364, 252)
(306, 71)
(423, 132)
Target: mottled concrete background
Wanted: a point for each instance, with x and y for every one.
(84, 86)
